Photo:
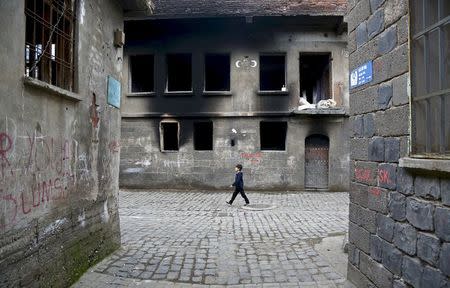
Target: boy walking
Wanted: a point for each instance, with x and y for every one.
(238, 185)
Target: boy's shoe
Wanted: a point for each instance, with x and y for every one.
(228, 202)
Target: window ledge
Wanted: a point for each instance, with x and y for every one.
(437, 165)
(273, 92)
(217, 93)
(141, 94)
(179, 93)
(35, 83)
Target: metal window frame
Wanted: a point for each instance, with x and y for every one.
(56, 68)
(428, 96)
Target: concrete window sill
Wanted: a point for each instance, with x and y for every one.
(179, 93)
(141, 94)
(273, 93)
(436, 165)
(217, 93)
(38, 84)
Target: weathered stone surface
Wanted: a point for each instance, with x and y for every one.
(427, 187)
(353, 254)
(405, 182)
(392, 149)
(361, 34)
(392, 122)
(375, 24)
(387, 40)
(392, 258)
(378, 199)
(376, 149)
(397, 206)
(400, 90)
(445, 191)
(385, 92)
(444, 259)
(389, 66)
(442, 223)
(428, 248)
(412, 271)
(385, 227)
(360, 237)
(357, 126)
(379, 275)
(405, 238)
(395, 9)
(369, 125)
(376, 248)
(432, 278)
(374, 4)
(420, 214)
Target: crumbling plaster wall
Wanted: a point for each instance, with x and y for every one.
(59, 156)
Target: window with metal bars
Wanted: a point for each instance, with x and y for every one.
(430, 77)
(49, 41)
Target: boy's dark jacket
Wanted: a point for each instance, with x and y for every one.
(239, 181)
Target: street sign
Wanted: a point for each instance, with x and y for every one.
(361, 75)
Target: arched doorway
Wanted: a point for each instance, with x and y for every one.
(316, 161)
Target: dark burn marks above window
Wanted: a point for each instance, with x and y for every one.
(142, 73)
(49, 41)
(179, 72)
(217, 72)
(273, 135)
(272, 72)
(203, 135)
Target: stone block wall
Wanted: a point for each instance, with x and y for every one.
(399, 217)
(59, 154)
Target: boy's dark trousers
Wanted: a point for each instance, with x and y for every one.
(236, 192)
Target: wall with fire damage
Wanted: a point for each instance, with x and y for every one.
(59, 154)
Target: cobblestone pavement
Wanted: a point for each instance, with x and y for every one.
(193, 239)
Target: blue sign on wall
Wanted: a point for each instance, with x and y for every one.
(361, 75)
(113, 92)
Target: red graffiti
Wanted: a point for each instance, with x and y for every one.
(363, 174)
(375, 191)
(384, 177)
(5, 146)
(254, 158)
(114, 146)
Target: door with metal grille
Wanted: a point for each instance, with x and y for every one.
(316, 162)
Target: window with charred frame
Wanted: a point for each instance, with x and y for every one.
(273, 135)
(49, 41)
(142, 73)
(315, 80)
(272, 72)
(217, 72)
(430, 77)
(169, 135)
(179, 72)
(203, 135)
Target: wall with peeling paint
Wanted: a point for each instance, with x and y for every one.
(58, 155)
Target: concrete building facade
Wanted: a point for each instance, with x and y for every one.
(59, 138)
(400, 146)
(221, 86)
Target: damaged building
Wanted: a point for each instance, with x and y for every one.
(211, 84)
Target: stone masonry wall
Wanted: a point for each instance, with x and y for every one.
(399, 218)
(59, 155)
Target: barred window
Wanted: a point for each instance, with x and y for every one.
(430, 77)
(49, 41)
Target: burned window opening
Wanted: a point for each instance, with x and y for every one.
(273, 135)
(203, 136)
(272, 72)
(170, 136)
(142, 73)
(49, 41)
(315, 76)
(179, 72)
(217, 72)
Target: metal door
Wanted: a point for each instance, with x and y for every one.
(316, 162)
